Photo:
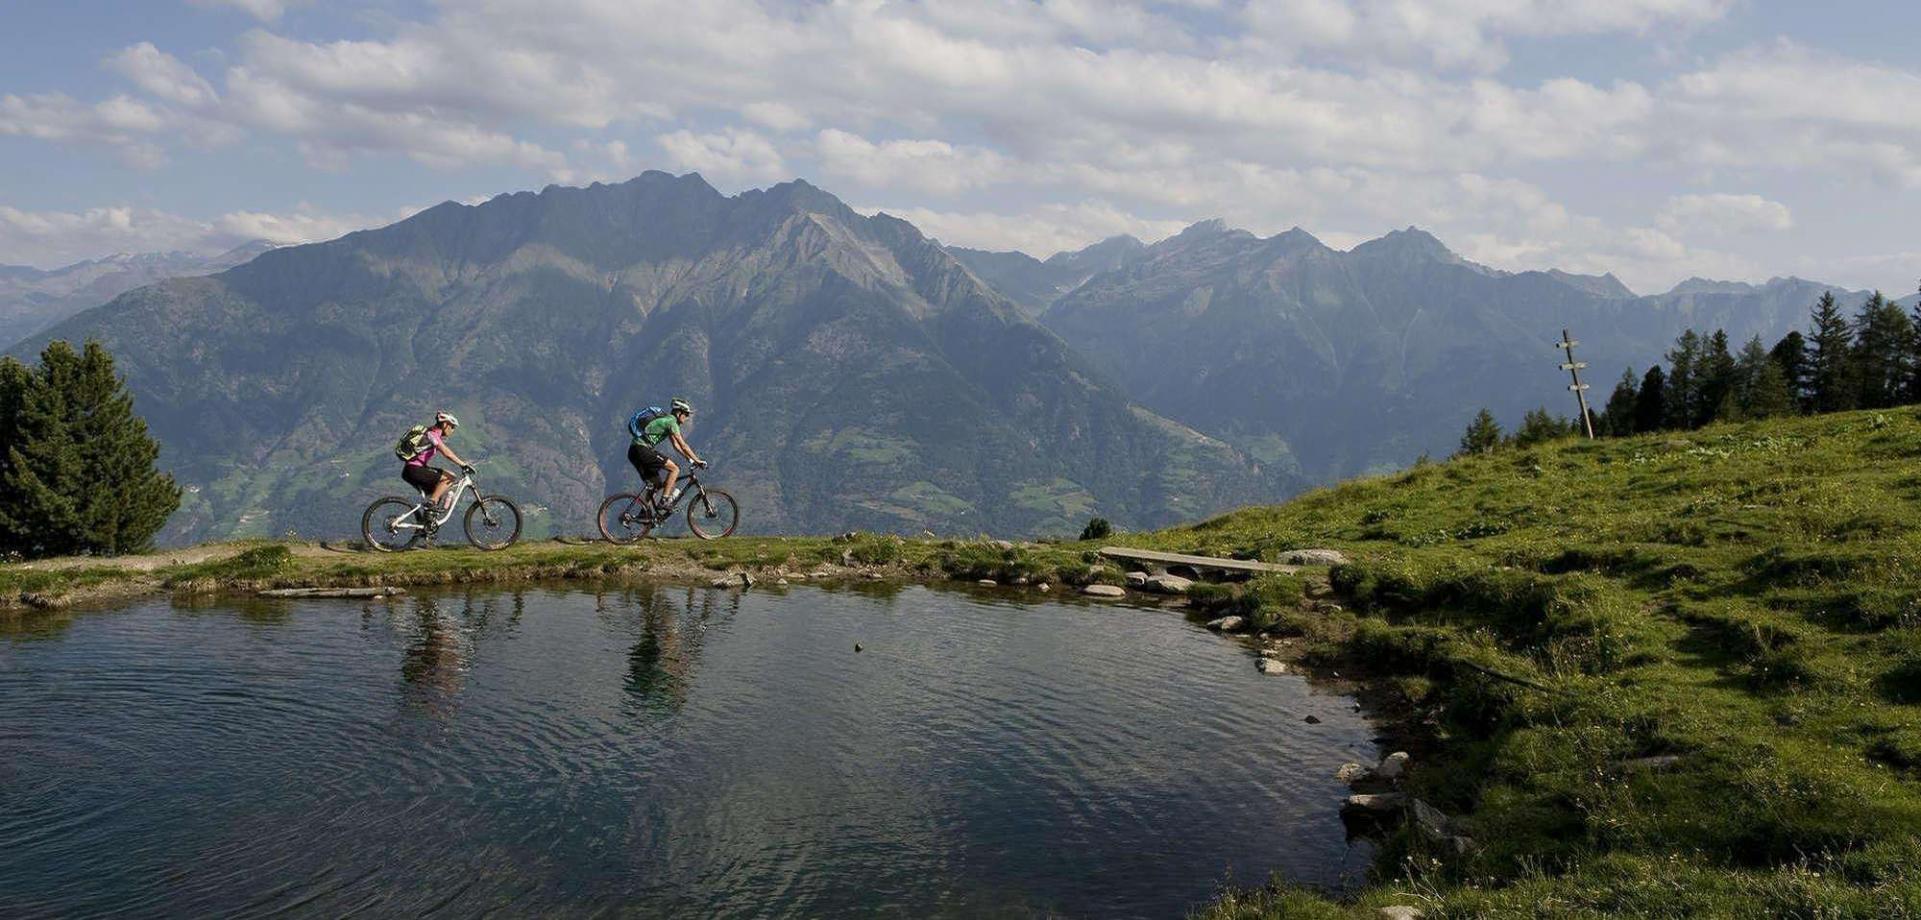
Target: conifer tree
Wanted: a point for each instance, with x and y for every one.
(1483, 436)
(79, 473)
(1617, 420)
(1763, 390)
(1882, 356)
(1791, 356)
(1683, 383)
(1831, 385)
(1718, 400)
(1540, 426)
(1651, 404)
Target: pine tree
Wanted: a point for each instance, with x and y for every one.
(1483, 436)
(79, 472)
(1913, 393)
(1684, 383)
(1541, 426)
(1831, 385)
(1617, 420)
(1716, 372)
(1883, 343)
(1763, 390)
(1651, 405)
(1791, 356)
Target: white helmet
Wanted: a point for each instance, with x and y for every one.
(446, 418)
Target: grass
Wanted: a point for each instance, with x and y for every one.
(1747, 597)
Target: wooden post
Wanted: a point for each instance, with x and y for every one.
(1573, 367)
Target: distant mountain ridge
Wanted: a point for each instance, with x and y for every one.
(850, 373)
(33, 299)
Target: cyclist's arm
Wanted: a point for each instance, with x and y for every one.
(680, 444)
(451, 455)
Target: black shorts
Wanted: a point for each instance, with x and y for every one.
(424, 478)
(647, 461)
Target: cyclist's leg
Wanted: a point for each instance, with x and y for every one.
(440, 488)
(421, 479)
(673, 474)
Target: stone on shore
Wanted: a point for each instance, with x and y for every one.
(1314, 557)
(334, 592)
(1393, 766)
(1137, 579)
(1400, 912)
(1351, 773)
(1376, 803)
(1104, 591)
(1169, 584)
(988, 583)
(1227, 623)
(1272, 666)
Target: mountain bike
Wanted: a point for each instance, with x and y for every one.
(711, 513)
(392, 523)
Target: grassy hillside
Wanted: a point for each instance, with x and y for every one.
(1747, 598)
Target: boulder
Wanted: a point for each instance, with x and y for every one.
(1312, 720)
(1314, 557)
(988, 583)
(1169, 584)
(1043, 586)
(1272, 666)
(1377, 803)
(1400, 912)
(1325, 607)
(1227, 623)
(722, 583)
(1393, 766)
(1104, 591)
(1137, 579)
(1432, 823)
(782, 582)
(1003, 545)
(1351, 773)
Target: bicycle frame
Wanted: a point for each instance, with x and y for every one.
(691, 477)
(407, 521)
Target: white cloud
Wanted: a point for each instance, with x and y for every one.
(1724, 214)
(49, 239)
(931, 166)
(160, 74)
(263, 10)
(730, 155)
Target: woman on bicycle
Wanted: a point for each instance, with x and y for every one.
(433, 481)
(645, 453)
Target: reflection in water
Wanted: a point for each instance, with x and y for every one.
(657, 752)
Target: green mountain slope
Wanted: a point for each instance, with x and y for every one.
(1660, 676)
(850, 373)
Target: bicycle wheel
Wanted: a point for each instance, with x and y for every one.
(713, 514)
(624, 519)
(493, 523)
(389, 527)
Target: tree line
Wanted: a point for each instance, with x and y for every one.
(1870, 360)
(77, 470)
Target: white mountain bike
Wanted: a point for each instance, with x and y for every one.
(392, 523)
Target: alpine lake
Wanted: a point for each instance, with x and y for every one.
(658, 751)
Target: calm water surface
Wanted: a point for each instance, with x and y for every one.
(656, 752)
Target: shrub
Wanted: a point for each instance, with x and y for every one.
(1097, 529)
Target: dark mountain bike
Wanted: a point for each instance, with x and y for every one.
(711, 513)
(392, 523)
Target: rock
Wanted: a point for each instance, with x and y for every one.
(847, 557)
(1400, 912)
(1003, 545)
(1169, 584)
(1378, 803)
(1314, 557)
(1043, 586)
(722, 583)
(332, 592)
(988, 583)
(1103, 591)
(1325, 607)
(848, 537)
(1393, 766)
(1659, 763)
(746, 580)
(1319, 590)
(1351, 773)
(1227, 623)
(780, 582)
(1137, 579)
(928, 534)
(1020, 580)
(875, 576)
(1312, 720)
(1272, 666)
(1430, 820)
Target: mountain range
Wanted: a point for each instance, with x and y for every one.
(32, 299)
(852, 373)
(849, 372)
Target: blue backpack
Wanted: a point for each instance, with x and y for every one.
(638, 421)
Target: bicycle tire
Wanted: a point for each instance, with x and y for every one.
(375, 529)
(508, 513)
(621, 532)
(720, 507)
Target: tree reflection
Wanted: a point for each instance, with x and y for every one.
(667, 625)
(434, 664)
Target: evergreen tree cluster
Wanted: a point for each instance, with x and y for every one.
(76, 464)
(1871, 360)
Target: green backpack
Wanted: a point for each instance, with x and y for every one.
(412, 443)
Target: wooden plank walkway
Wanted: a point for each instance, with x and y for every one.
(1198, 563)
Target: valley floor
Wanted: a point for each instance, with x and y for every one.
(1664, 676)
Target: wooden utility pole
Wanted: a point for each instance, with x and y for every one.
(1573, 367)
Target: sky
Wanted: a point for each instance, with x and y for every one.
(1656, 139)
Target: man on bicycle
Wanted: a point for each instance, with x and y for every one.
(647, 459)
(433, 481)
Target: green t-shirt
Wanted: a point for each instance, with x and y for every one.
(657, 430)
